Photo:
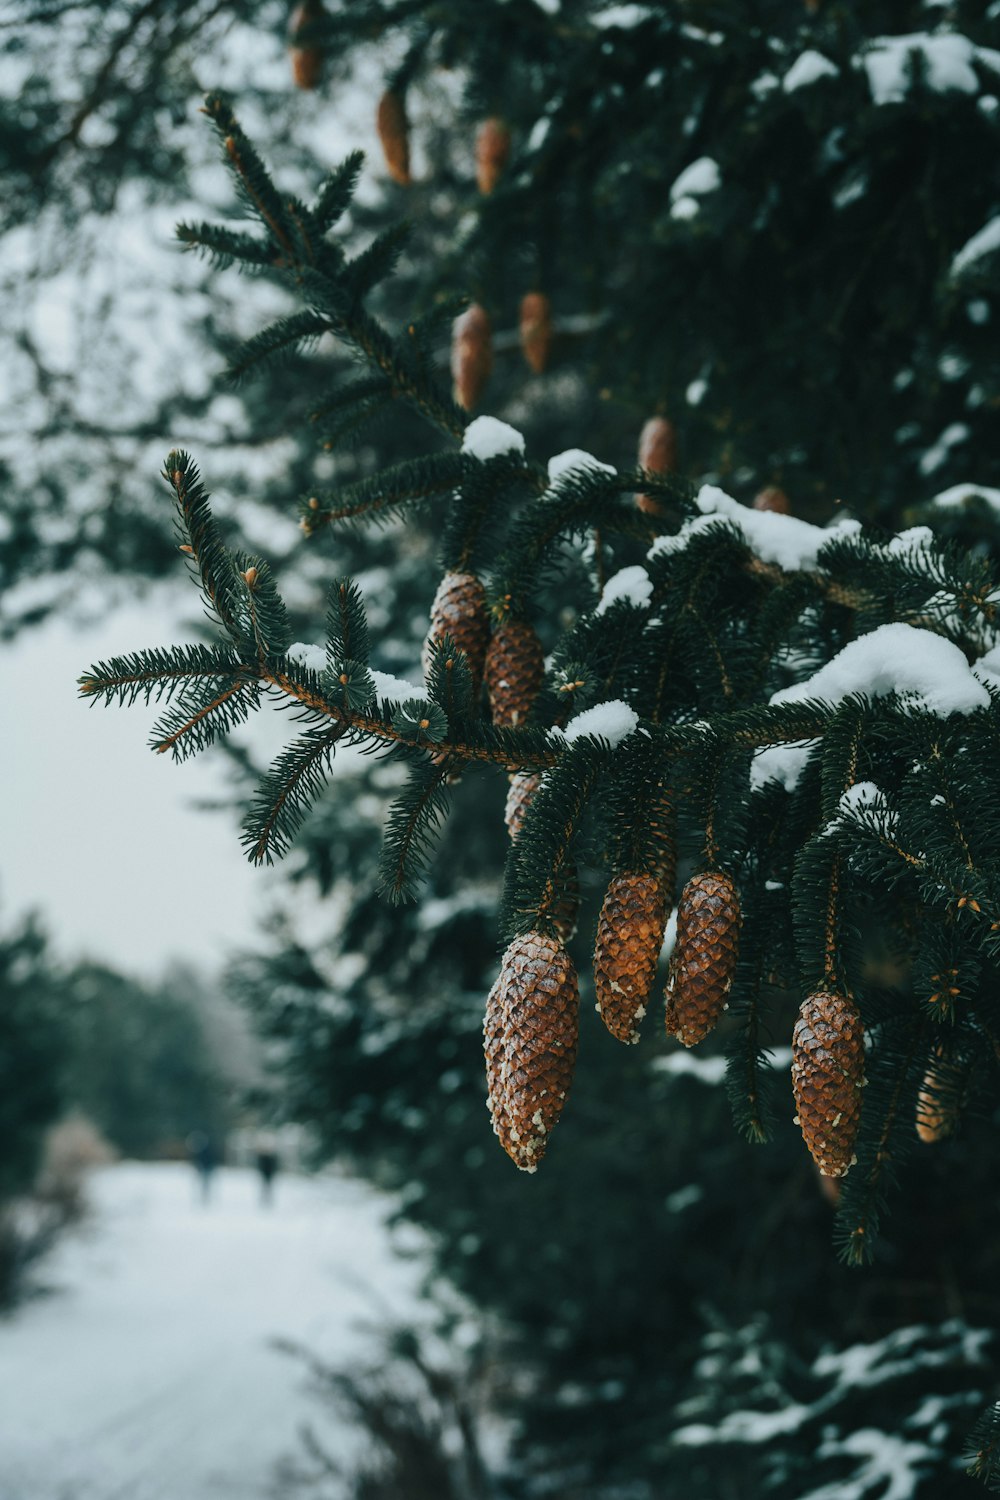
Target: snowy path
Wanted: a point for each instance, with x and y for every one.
(149, 1374)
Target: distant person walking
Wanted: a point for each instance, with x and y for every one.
(267, 1166)
(204, 1159)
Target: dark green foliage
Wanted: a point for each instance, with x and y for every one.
(288, 791)
(983, 1449)
(413, 820)
(35, 1020)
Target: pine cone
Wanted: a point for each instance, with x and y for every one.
(394, 134)
(307, 62)
(471, 354)
(515, 667)
(532, 1021)
(535, 327)
(662, 825)
(658, 454)
(828, 1064)
(936, 1113)
(459, 610)
(523, 786)
(771, 498)
(704, 957)
(492, 153)
(629, 939)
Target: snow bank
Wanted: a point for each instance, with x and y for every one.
(488, 437)
(634, 585)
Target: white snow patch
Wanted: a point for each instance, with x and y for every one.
(702, 176)
(313, 657)
(987, 668)
(888, 1460)
(782, 763)
(397, 689)
(685, 208)
(705, 1069)
(576, 458)
(947, 64)
(634, 585)
(929, 670)
(612, 721)
(784, 540)
(669, 937)
(695, 393)
(620, 15)
(488, 437)
(959, 494)
(807, 69)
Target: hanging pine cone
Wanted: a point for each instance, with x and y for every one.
(523, 786)
(515, 667)
(492, 153)
(471, 354)
(662, 825)
(530, 1034)
(394, 134)
(307, 62)
(704, 958)
(629, 939)
(828, 1064)
(459, 610)
(772, 498)
(937, 1115)
(535, 328)
(658, 454)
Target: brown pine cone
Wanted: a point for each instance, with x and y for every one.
(459, 610)
(492, 153)
(531, 1038)
(394, 134)
(535, 328)
(515, 667)
(658, 454)
(307, 62)
(523, 786)
(936, 1112)
(471, 354)
(828, 1065)
(629, 939)
(772, 498)
(662, 825)
(704, 958)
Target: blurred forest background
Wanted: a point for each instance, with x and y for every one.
(662, 1310)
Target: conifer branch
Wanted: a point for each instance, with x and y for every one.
(287, 792)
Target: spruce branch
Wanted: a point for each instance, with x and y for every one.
(287, 792)
(413, 820)
(161, 673)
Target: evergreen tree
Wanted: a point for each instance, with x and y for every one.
(816, 704)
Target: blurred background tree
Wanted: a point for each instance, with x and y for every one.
(757, 222)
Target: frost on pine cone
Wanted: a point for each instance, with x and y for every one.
(629, 939)
(523, 786)
(535, 329)
(515, 666)
(471, 354)
(828, 1065)
(703, 963)
(459, 610)
(530, 1031)
(394, 135)
(492, 153)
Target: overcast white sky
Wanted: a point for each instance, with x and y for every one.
(100, 834)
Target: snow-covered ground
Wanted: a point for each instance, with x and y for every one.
(149, 1372)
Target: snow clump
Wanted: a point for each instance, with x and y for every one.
(613, 721)
(784, 540)
(488, 437)
(576, 458)
(313, 657)
(807, 69)
(634, 585)
(947, 64)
